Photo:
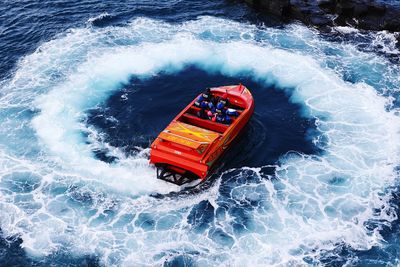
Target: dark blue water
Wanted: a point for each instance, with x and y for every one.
(78, 118)
(146, 108)
(29, 24)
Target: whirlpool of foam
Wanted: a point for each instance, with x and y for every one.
(57, 196)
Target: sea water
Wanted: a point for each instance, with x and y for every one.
(86, 87)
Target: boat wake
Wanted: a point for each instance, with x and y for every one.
(55, 194)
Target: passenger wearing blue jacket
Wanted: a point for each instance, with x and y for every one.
(222, 112)
(203, 99)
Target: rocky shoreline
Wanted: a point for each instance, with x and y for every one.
(361, 14)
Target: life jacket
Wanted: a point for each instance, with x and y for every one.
(199, 100)
(211, 106)
(222, 118)
(204, 104)
(224, 100)
(232, 112)
(220, 109)
(227, 120)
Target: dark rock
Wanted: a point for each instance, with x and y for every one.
(277, 8)
(251, 2)
(364, 14)
(360, 10)
(392, 25)
(327, 4)
(376, 9)
(371, 23)
(321, 20)
(305, 11)
(345, 9)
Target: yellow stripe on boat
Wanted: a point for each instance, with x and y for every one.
(188, 135)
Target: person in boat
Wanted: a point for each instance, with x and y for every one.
(212, 105)
(203, 99)
(221, 116)
(224, 100)
(204, 114)
(222, 104)
(222, 107)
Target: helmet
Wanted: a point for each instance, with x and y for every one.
(203, 104)
(209, 113)
(207, 93)
(220, 105)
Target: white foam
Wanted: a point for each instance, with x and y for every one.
(346, 29)
(386, 42)
(99, 17)
(316, 202)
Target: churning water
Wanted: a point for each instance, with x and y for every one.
(313, 180)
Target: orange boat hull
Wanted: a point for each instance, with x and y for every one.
(190, 146)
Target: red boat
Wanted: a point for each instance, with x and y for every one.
(189, 147)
